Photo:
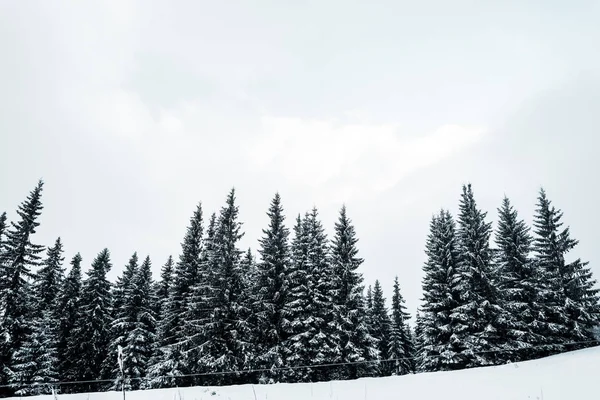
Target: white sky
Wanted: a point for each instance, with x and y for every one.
(133, 111)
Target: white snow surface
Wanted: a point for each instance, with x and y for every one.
(568, 376)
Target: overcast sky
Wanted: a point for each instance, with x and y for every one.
(134, 111)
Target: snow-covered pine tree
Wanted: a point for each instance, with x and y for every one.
(570, 300)
(380, 328)
(18, 256)
(481, 321)
(91, 336)
(438, 348)
(357, 347)
(121, 320)
(518, 283)
(271, 294)
(417, 335)
(162, 287)
(369, 300)
(35, 364)
(401, 347)
(171, 338)
(227, 331)
(313, 338)
(69, 303)
(2, 227)
(142, 333)
(198, 305)
(48, 279)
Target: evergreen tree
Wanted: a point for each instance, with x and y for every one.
(570, 300)
(17, 257)
(163, 286)
(2, 228)
(171, 336)
(313, 338)
(380, 327)
(91, 336)
(481, 322)
(69, 303)
(518, 282)
(49, 277)
(401, 347)
(226, 330)
(35, 364)
(141, 335)
(369, 300)
(436, 330)
(356, 344)
(271, 293)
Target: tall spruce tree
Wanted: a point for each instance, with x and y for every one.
(17, 257)
(381, 328)
(171, 337)
(482, 322)
(48, 279)
(227, 331)
(313, 338)
(519, 283)
(357, 346)
(163, 286)
(141, 335)
(34, 367)
(271, 293)
(570, 299)
(439, 350)
(69, 305)
(91, 336)
(401, 347)
(122, 320)
(2, 228)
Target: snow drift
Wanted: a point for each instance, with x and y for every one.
(568, 376)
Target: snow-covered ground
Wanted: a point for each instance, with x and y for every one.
(570, 376)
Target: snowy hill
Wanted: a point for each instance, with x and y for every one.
(569, 376)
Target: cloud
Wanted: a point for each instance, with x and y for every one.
(352, 159)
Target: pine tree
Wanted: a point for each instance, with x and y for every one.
(141, 335)
(91, 336)
(417, 335)
(380, 327)
(121, 320)
(436, 330)
(69, 303)
(171, 336)
(356, 344)
(163, 286)
(570, 300)
(518, 282)
(35, 364)
(226, 330)
(480, 319)
(49, 277)
(18, 256)
(401, 347)
(312, 337)
(2, 228)
(271, 293)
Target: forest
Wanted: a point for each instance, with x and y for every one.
(296, 310)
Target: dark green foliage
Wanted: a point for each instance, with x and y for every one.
(401, 347)
(271, 283)
(18, 256)
(357, 346)
(69, 305)
(91, 335)
(518, 282)
(380, 327)
(48, 279)
(162, 287)
(435, 327)
(569, 298)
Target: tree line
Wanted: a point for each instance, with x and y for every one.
(297, 312)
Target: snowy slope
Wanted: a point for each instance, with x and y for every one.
(570, 376)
